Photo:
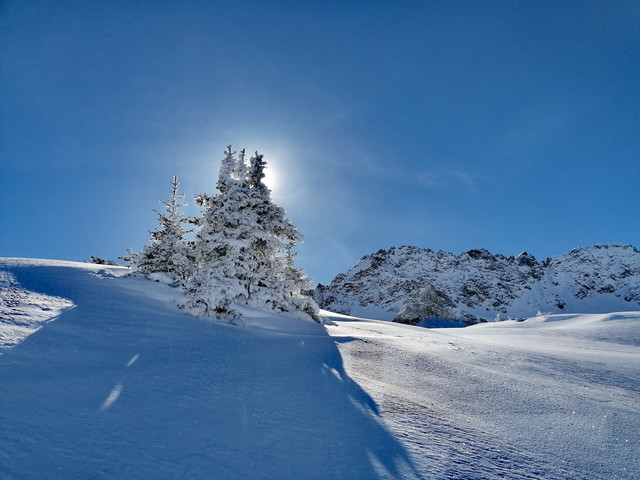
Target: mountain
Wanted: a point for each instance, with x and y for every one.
(412, 285)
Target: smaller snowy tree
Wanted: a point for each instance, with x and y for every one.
(298, 287)
(167, 251)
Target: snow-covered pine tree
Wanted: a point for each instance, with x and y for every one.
(167, 251)
(241, 249)
(297, 285)
(220, 270)
(277, 284)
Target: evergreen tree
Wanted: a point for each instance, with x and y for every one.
(220, 245)
(276, 282)
(243, 250)
(167, 251)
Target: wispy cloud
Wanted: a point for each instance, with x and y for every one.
(445, 179)
(371, 165)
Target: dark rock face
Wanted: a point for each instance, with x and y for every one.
(410, 284)
(426, 302)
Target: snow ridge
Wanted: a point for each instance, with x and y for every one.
(410, 284)
(124, 385)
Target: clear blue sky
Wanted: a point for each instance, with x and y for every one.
(507, 125)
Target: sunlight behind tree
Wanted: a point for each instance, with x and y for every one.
(272, 177)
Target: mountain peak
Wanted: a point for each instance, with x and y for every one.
(409, 283)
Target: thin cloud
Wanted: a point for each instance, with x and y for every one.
(447, 179)
(373, 166)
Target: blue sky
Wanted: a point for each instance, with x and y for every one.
(506, 125)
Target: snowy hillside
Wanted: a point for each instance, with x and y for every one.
(123, 385)
(411, 284)
(103, 377)
(552, 397)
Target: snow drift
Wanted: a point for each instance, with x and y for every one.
(123, 385)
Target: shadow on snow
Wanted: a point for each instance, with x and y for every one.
(122, 386)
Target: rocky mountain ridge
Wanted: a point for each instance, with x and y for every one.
(411, 284)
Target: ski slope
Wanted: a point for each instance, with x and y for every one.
(101, 376)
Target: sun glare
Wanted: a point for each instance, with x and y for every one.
(276, 170)
(277, 154)
(271, 177)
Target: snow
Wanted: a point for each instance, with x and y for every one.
(162, 277)
(124, 385)
(115, 382)
(23, 312)
(554, 396)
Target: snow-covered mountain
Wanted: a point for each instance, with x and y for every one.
(411, 284)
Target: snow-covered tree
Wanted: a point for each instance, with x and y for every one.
(297, 285)
(218, 245)
(276, 281)
(167, 251)
(243, 249)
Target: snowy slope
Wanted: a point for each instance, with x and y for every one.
(409, 284)
(120, 384)
(552, 397)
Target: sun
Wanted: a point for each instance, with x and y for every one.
(276, 153)
(271, 176)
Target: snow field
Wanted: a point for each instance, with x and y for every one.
(123, 385)
(550, 397)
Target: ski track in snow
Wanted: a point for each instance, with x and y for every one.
(505, 400)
